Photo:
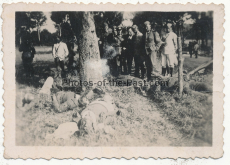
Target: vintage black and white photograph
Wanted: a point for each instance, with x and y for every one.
(114, 78)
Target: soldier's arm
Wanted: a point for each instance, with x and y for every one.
(158, 40)
(175, 42)
(66, 50)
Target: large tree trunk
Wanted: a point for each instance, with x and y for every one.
(90, 63)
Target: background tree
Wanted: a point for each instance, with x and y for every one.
(22, 24)
(47, 38)
(28, 20)
(75, 20)
(37, 19)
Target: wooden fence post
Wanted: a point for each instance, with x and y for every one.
(180, 58)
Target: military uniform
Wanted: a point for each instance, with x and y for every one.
(28, 52)
(152, 43)
(139, 55)
(67, 36)
(114, 62)
(129, 52)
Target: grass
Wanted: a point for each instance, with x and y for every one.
(192, 114)
(192, 63)
(162, 119)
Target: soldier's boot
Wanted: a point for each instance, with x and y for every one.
(120, 69)
(171, 71)
(167, 70)
(163, 71)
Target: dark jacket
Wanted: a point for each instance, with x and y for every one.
(129, 45)
(27, 48)
(139, 48)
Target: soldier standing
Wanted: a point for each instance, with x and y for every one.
(129, 49)
(169, 50)
(28, 52)
(113, 60)
(118, 48)
(138, 52)
(196, 47)
(190, 48)
(152, 43)
(60, 52)
(68, 37)
(103, 42)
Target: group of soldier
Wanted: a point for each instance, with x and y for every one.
(153, 55)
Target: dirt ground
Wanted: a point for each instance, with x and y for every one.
(143, 123)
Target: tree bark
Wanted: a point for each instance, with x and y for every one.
(89, 56)
(180, 58)
(180, 66)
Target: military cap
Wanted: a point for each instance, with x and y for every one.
(147, 23)
(119, 27)
(169, 21)
(135, 26)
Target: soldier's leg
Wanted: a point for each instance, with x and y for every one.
(148, 64)
(70, 65)
(111, 66)
(116, 66)
(137, 65)
(117, 60)
(155, 70)
(196, 53)
(163, 63)
(121, 63)
(167, 68)
(125, 63)
(129, 63)
(101, 50)
(31, 68)
(56, 62)
(25, 66)
(171, 63)
(61, 63)
(142, 66)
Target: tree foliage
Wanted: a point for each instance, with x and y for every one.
(30, 19)
(37, 19)
(201, 29)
